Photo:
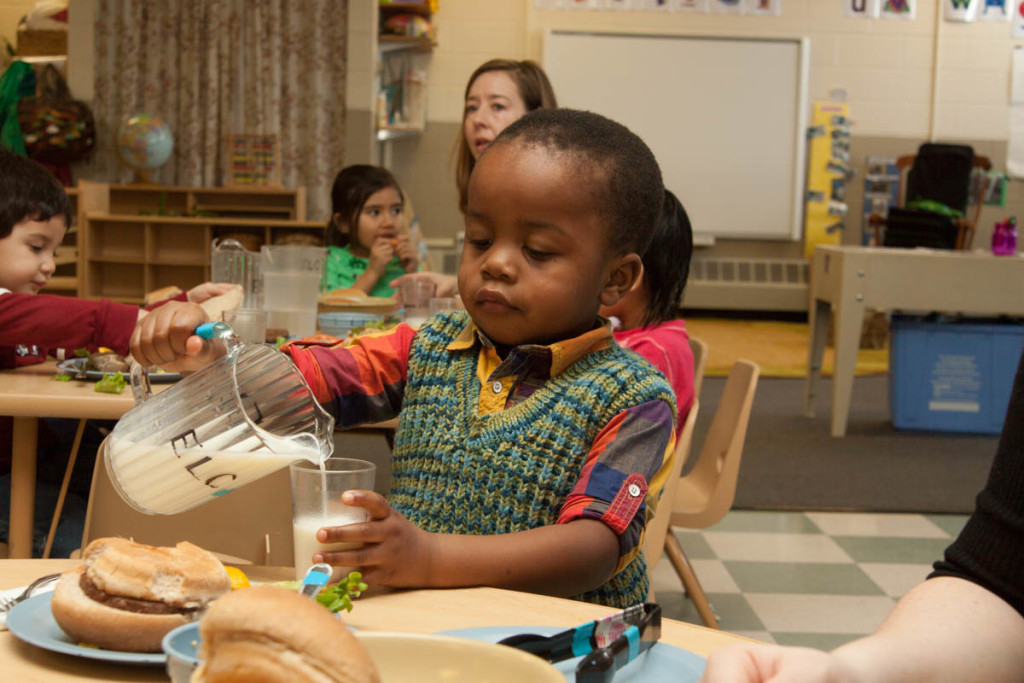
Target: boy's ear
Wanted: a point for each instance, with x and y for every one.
(626, 271)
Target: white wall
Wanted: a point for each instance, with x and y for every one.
(886, 66)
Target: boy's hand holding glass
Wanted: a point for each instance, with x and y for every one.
(166, 337)
(395, 551)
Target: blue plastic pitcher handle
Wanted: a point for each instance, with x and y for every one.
(212, 330)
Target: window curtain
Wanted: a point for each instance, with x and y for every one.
(210, 68)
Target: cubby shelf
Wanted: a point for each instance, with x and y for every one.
(123, 257)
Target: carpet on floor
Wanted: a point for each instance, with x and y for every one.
(779, 347)
(792, 462)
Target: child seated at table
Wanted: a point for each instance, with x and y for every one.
(646, 320)
(34, 215)
(531, 449)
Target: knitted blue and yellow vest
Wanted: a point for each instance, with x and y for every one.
(457, 472)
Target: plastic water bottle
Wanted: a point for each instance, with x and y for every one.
(1004, 237)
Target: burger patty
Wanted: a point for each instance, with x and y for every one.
(128, 604)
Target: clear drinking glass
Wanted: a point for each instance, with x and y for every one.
(316, 503)
(416, 295)
(250, 324)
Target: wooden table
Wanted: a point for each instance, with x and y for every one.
(854, 279)
(28, 394)
(420, 611)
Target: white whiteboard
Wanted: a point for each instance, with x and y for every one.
(725, 117)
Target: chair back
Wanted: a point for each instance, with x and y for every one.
(941, 173)
(253, 523)
(654, 536)
(699, 349)
(706, 493)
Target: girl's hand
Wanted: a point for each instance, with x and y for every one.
(381, 253)
(406, 251)
(396, 552)
(446, 285)
(166, 337)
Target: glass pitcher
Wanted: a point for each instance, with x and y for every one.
(242, 417)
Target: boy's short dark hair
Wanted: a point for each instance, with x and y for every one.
(667, 262)
(28, 192)
(627, 187)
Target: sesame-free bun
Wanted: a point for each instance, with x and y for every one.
(127, 596)
(273, 635)
(183, 576)
(94, 623)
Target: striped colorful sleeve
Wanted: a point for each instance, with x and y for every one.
(360, 382)
(623, 474)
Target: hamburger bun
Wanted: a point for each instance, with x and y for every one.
(268, 635)
(127, 596)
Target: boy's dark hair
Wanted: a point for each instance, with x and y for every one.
(28, 192)
(352, 187)
(623, 175)
(667, 262)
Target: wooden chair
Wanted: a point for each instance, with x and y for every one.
(252, 524)
(654, 537)
(699, 349)
(706, 493)
(966, 225)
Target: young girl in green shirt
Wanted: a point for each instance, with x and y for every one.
(368, 241)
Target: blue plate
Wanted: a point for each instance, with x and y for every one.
(183, 642)
(32, 621)
(663, 663)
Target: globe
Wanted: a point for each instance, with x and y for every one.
(144, 142)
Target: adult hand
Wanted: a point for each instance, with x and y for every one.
(406, 251)
(775, 664)
(447, 285)
(166, 337)
(208, 290)
(395, 551)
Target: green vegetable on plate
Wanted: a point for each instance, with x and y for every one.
(337, 597)
(112, 383)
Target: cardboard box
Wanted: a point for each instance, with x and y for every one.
(952, 375)
(36, 43)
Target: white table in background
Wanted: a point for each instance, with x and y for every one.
(850, 280)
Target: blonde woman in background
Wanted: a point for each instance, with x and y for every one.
(499, 92)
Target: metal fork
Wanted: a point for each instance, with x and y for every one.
(7, 603)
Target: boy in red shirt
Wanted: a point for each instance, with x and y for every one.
(34, 216)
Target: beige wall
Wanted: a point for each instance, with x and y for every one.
(11, 12)
(906, 82)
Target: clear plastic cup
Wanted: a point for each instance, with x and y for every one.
(316, 503)
(416, 295)
(291, 283)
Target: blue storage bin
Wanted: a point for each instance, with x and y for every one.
(952, 375)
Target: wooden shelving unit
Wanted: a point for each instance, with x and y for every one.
(122, 257)
(65, 278)
(403, 64)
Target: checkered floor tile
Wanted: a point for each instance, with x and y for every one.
(817, 579)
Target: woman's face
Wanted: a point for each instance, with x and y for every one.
(492, 104)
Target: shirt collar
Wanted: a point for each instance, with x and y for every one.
(550, 360)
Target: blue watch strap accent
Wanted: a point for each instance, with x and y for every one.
(632, 635)
(581, 640)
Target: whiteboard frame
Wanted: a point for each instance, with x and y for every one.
(803, 45)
